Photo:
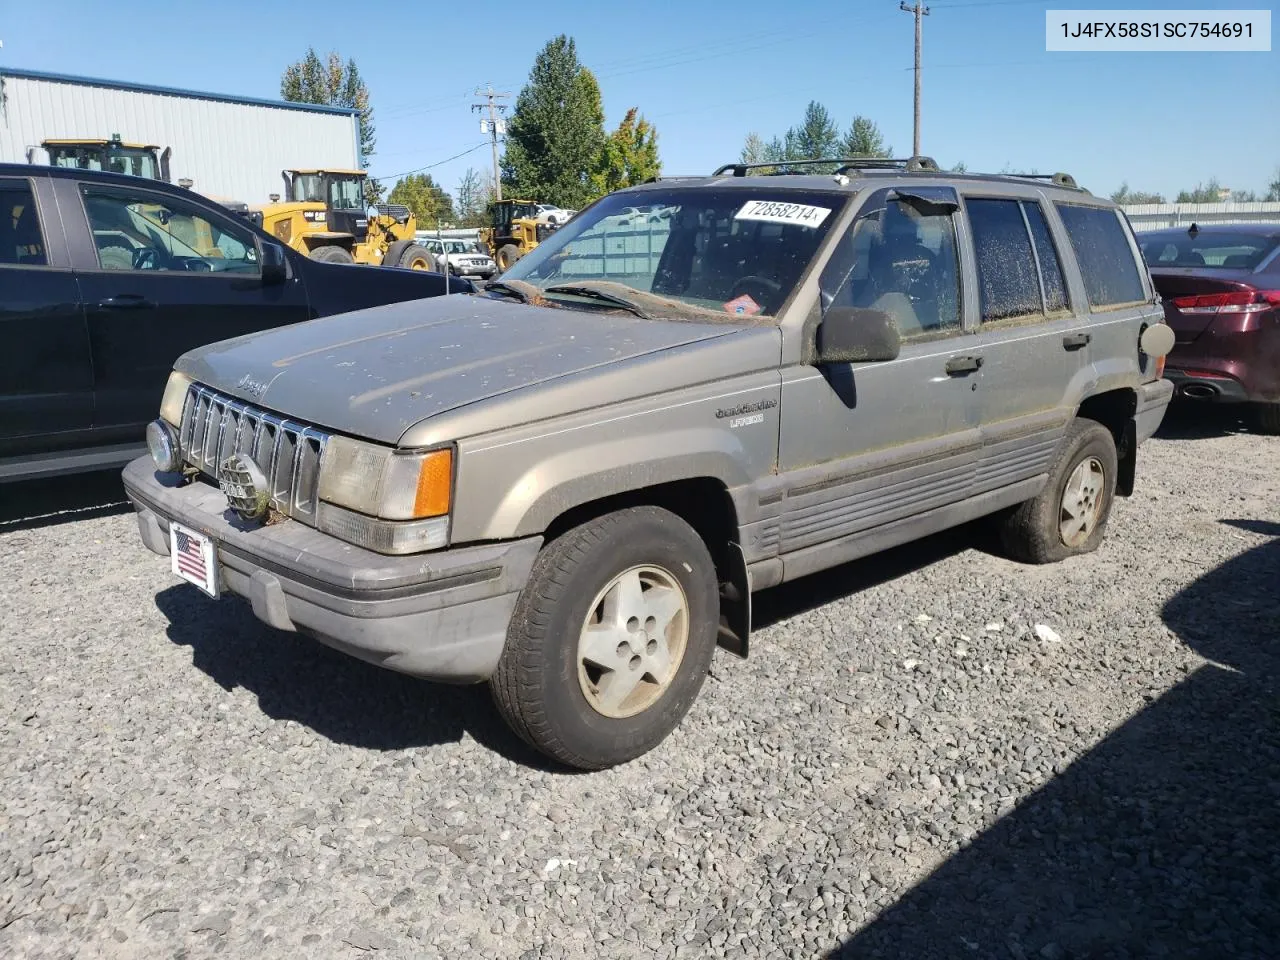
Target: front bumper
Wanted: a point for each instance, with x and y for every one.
(439, 615)
(1153, 401)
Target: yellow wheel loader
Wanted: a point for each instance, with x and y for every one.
(144, 160)
(324, 215)
(513, 230)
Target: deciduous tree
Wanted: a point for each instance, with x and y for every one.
(425, 198)
(629, 156)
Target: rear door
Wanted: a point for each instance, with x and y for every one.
(1116, 293)
(160, 275)
(46, 377)
(1032, 344)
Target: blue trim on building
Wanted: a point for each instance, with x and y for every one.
(172, 91)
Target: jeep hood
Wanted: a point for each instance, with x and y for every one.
(374, 373)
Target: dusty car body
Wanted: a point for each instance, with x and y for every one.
(571, 485)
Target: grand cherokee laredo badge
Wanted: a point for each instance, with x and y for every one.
(245, 486)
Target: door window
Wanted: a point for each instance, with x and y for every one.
(1055, 288)
(21, 242)
(1107, 264)
(145, 231)
(1008, 285)
(899, 257)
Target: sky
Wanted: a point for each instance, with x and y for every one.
(708, 74)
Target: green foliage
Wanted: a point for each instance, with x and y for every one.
(814, 138)
(1125, 195)
(960, 168)
(864, 139)
(336, 84)
(1244, 196)
(629, 156)
(425, 198)
(1203, 193)
(556, 131)
(472, 196)
(1273, 188)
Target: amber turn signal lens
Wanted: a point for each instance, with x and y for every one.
(435, 482)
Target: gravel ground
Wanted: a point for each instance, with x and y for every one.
(932, 753)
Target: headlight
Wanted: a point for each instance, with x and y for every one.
(175, 395)
(380, 482)
(162, 443)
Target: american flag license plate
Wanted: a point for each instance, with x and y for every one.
(193, 558)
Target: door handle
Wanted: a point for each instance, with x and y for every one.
(1074, 341)
(126, 301)
(963, 364)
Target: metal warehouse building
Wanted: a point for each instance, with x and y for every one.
(228, 146)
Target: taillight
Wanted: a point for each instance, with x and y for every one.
(1236, 301)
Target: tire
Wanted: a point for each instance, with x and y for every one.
(1041, 530)
(395, 250)
(417, 257)
(1269, 418)
(507, 255)
(332, 254)
(546, 685)
(115, 257)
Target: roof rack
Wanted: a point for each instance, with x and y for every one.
(1058, 179)
(842, 164)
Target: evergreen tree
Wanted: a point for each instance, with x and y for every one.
(334, 83)
(556, 131)
(864, 139)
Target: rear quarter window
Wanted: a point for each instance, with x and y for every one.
(1101, 243)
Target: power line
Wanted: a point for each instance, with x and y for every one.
(438, 163)
(494, 126)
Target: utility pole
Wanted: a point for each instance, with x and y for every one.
(920, 10)
(494, 126)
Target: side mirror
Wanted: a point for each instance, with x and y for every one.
(855, 335)
(273, 263)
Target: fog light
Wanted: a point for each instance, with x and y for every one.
(162, 442)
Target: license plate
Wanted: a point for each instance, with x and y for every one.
(193, 558)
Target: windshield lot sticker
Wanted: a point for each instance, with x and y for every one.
(743, 305)
(773, 211)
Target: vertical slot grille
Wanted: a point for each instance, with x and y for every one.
(288, 453)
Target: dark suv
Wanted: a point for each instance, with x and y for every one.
(105, 280)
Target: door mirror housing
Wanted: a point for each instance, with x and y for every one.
(273, 263)
(857, 335)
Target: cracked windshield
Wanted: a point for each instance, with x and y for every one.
(732, 253)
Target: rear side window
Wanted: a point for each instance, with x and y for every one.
(1055, 290)
(1101, 244)
(1007, 281)
(21, 243)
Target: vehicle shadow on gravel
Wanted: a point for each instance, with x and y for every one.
(1190, 420)
(818, 589)
(31, 504)
(339, 697)
(1162, 841)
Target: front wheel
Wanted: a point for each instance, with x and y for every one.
(1069, 516)
(507, 255)
(611, 638)
(417, 257)
(332, 254)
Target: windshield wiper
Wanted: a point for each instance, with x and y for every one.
(510, 289)
(592, 293)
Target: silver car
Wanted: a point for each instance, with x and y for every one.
(461, 258)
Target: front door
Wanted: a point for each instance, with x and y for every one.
(1033, 345)
(166, 276)
(46, 377)
(867, 444)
